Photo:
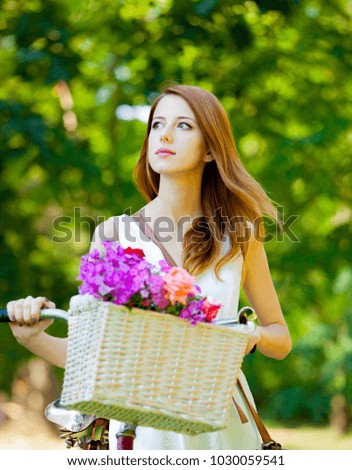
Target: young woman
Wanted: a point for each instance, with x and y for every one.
(194, 182)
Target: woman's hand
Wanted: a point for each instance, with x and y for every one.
(24, 315)
(253, 339)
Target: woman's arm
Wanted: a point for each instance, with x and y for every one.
(272, 335)
(49, 348)
(24, 313)
(29, 331)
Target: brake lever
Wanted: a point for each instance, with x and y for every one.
(245, 315)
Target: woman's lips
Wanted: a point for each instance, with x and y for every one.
(164, 152)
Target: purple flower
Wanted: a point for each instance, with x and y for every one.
(164, 266)
(193, 312)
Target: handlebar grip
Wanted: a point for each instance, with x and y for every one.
(53, 313)
(3, 316)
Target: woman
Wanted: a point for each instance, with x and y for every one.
(193, 180)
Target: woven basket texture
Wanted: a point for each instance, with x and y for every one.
(151, 369)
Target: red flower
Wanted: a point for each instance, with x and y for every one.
(135, 251)
(210, 309)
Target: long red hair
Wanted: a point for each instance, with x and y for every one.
(230, 197)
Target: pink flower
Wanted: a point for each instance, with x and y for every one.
(178, 285)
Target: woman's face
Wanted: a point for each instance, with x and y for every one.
(175, 130)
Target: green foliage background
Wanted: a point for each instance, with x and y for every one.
(282, 70)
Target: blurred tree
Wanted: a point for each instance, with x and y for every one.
(76, 82)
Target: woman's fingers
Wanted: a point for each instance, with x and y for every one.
(19, 311)
(253, 339)
(27, 306)
(11, 310)
(48, 303)
(27, 311)
(36, 306)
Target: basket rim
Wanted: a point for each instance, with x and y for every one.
(91, 301)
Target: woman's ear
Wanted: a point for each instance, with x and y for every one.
(208, 157)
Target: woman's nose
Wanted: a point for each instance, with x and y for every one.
(166, 135)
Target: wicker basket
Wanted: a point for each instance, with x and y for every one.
(150, 369)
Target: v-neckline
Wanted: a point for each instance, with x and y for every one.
(152, 237)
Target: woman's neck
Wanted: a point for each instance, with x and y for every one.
(178, 198)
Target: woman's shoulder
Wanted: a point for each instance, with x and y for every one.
(256, 237)
(254, 245)
(108, 230)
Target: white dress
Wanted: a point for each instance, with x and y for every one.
(237, 435)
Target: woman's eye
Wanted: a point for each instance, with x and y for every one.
(156, 125)
(186, 124)
(182, 125)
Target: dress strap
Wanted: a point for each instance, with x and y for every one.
(240, 412)
(268, 442)
(148, 232)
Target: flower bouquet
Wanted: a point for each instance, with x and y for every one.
(143, 347)
(124, 277)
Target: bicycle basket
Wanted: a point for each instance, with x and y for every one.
(149, 368)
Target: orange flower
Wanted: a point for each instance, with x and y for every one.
(178, 284)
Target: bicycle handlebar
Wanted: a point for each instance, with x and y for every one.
(53, 313)
(244, 315)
